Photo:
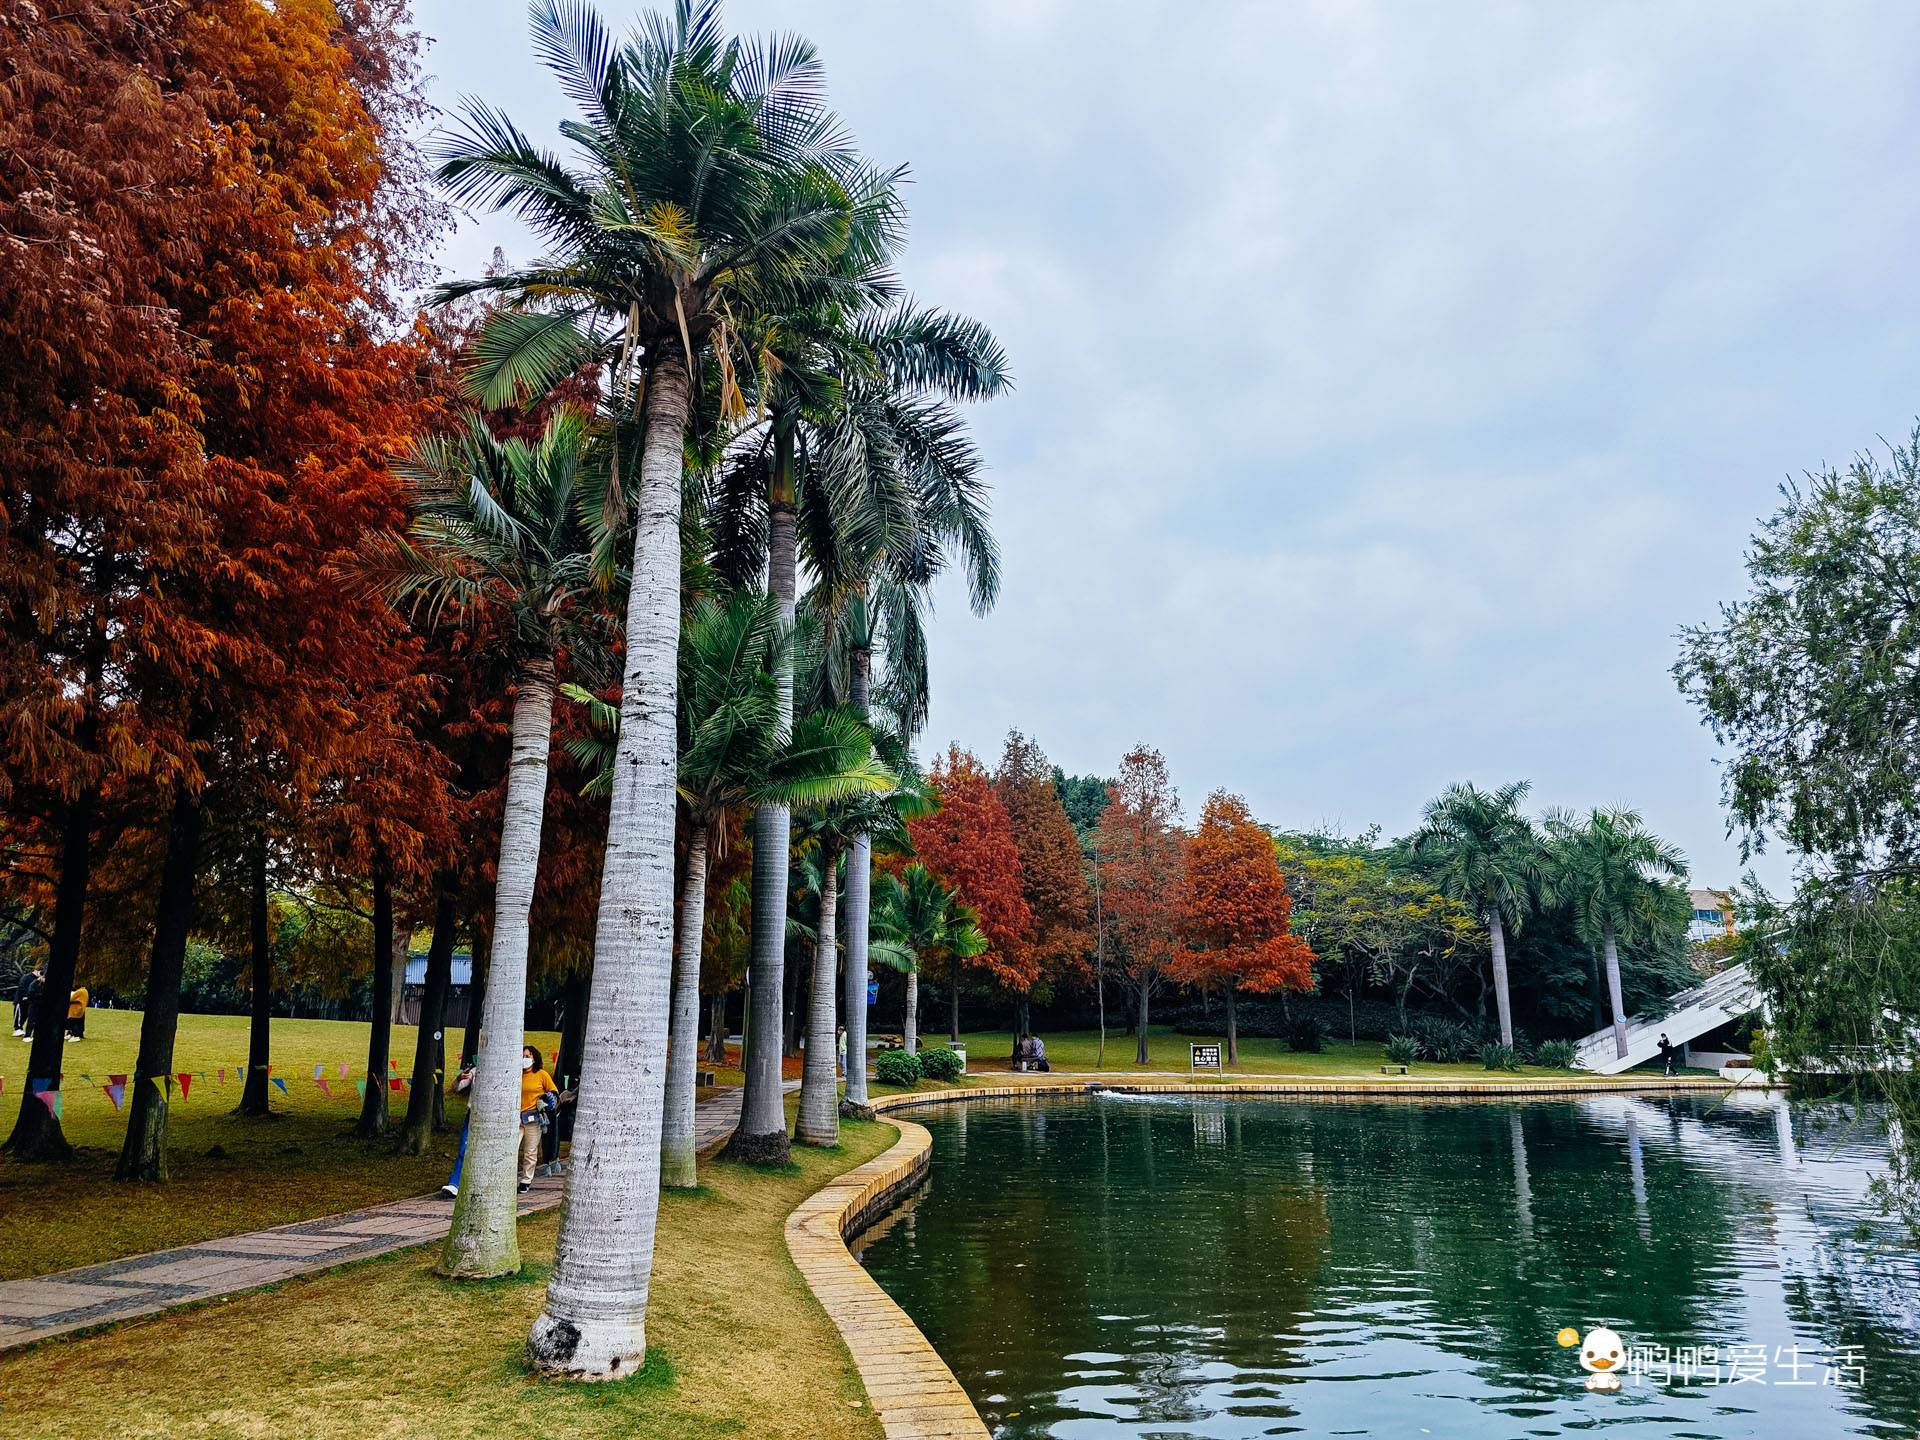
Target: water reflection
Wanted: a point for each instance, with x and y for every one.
(1148, 1267)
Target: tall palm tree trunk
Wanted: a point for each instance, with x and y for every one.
(761, 1136)
(819, 1119)
(1499, 933)
(254, 1098)
(910, 1036)
(1613, 993)
(485, 1238)
(677, 1167)
(476, 993)
(859, 920)
(594, 1325)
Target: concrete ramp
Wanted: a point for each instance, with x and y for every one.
(1726, 996)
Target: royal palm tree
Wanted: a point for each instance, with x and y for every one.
(1484, 853)
(918, 920)
(509, 531)
(711, 179)
(733, 753)
(1615, 873)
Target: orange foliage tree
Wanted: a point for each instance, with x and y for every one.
(1143, 877)
(1237, 908)
(1052, 875)
(968, 842)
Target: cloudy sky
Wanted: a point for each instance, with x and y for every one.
(1393, 380)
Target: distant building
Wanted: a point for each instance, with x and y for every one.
(414, 988)
(1712, 914)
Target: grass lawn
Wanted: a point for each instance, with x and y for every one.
(386, 1350)
(229, 1174)
(1079, 1050)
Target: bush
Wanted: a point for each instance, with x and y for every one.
(1306, 1035)
(896, 1067)
(1555, 1054)
(1496, 1056)
(1402, 1049)
(939, 1064)
(1446, 1042)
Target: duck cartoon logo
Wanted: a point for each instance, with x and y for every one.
(1602, 1355)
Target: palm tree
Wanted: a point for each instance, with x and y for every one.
(1485, 854)
(733, 754)
(712, 179)
(1614, 872)
(508, 530)
(918, 919)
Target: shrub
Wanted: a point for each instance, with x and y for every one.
(896, 1067)
(1555, 1054)
(1306, 1035)
(1402, 1049)
(939, 1064)
(1496, 1056)
(1445, 1042)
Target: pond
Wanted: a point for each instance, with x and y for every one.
(1133, 1266)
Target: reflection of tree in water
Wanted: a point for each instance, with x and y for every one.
(1157, 1263)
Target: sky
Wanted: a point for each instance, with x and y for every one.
(1393, 380)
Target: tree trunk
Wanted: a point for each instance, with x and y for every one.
(953, 1004)
(717, 1028)
(476, 994)
(577, 997)
(678, 1169)
(144, 1154)
(429, 1083)
(1613, 993)
(790, 1003)
(1233, 1026)
(37, 1134)
(1021, 1025)
(910, 1030)
(254, 1095)
(1498, 930)
(761, 1136)
(818, 1122)
(485, 1238)
(373, 1104)
(1593, 994)
(1140, 1042)
(593, 1326)
(859, 918)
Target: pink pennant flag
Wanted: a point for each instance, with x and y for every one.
(281, 1083)
(323, 1087)
(50, 1099)
(120, 1080)
(343, 1069)
(115, 1091)
(223, 1075)
(186, 1083)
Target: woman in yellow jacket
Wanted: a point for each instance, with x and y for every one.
(535, 1085)
(77, 1014)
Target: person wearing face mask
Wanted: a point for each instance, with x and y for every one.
(535, 1085)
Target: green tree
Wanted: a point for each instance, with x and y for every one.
(1480, 850)
(1619, 878)
(505, 531)
(918, 921)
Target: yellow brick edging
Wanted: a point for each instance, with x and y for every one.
(912, 1391)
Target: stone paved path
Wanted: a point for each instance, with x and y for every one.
(53, 1304)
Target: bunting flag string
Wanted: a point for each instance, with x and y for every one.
(323, 1087)
(50, 1099)
(115, 1091)
(162, 1086)
(165, 1086)
(186, 1083)
(278, 1081)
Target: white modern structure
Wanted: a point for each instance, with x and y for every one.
(1707, 1006)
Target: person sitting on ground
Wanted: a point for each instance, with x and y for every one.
(1038, 1054)
(535, 1085)
(77, 1014)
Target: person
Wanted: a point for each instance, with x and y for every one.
(1039, 1056)
(22, 999)
(36, 982)
(535, 1086)
(462, 1085)
(77, 1013)
(840, 1043)
(1666, 1053)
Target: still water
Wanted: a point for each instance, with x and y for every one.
(1151, 1267)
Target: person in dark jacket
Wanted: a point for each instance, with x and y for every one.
(26, 1000)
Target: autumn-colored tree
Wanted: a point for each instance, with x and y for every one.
(1143, 877)
(1237, 909)
(968, 842)
(1053, 878)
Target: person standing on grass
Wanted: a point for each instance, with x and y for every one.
(535, 1085)
(462, 1085)
(23, 1000)
(33, 985)
(77, 1013)
(1666, 1053)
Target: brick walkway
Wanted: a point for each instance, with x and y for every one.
(67, 1300)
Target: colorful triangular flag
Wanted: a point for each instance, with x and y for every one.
(393, 1084)
(186, 1083)
(316, 1071)
(162, 1085)
(115, 1091)
(343, 1069)
(323, 1087)
(222, 1072)
(361, 1086)
(50, 1099)
(281, 1083)
(116, 1080)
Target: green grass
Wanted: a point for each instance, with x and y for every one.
(228, 1174)
(1079, 1050)
(737, 1346)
